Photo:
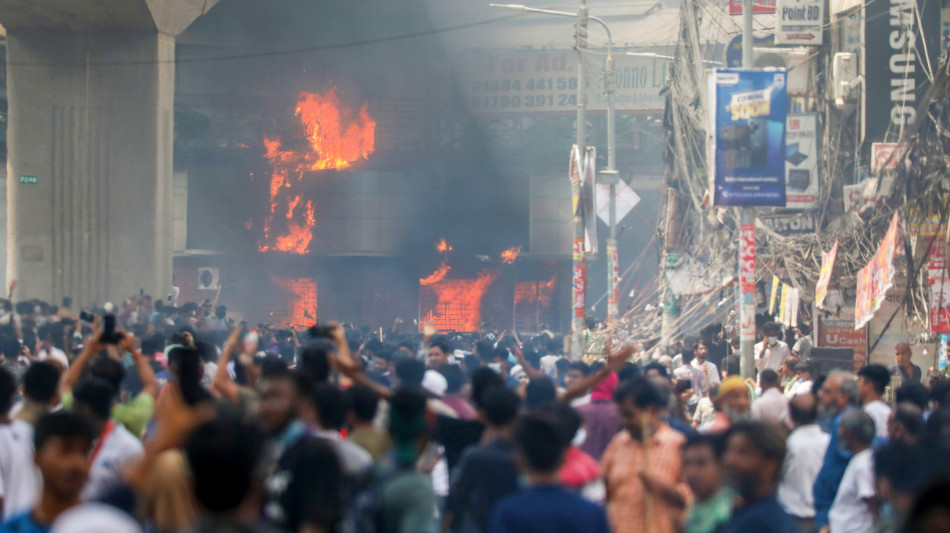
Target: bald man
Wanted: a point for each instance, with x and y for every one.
(806, 450)
(908, 371)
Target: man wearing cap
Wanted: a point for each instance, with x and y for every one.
(732, 405)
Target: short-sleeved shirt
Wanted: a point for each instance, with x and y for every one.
(23, 523)
(712, 515)
(849, 513)
(20, 480)
(119, 450)
(915, 373)
(551, 509)
(409, 505)
(134, 415)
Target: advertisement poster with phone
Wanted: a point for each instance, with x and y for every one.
(747, 148)
(801, 161)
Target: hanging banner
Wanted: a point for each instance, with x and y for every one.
(942, 359)
(758, 7)
(824, 275)
(574, 173)
(876, 278)
(579, 278)
(795, 301)
(783, 305)
(939, 283)
(747, 146)
(589, 201)
(613, 296)
(775, 284)
(799, 22)
(801, 161)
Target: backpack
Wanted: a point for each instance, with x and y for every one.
(365, 514)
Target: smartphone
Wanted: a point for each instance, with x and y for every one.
(87, 317)
(251, 342)
(108, 330)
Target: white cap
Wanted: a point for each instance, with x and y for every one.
(54, 354)
(435, 383)
(95, 518)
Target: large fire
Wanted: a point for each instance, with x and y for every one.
(336, 138)
(301, 309)
(510, 255)
(456, 304)
(532, 302)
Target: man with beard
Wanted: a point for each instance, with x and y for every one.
(838, 394)
(732, 405)
(753, 460)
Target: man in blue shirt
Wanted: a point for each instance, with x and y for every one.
(62, 442)
(546, 506)
(838, 394)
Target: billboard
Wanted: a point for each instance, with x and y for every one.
(800, 22)
(902, 40)
(801, 161)
(747, 115)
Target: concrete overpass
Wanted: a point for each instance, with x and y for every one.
(90, 85)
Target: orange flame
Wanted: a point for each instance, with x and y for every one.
(436, 276)
(443, 246)
(336, 139)
(530, 293)
(510, 255)
(302, 305)
(456, 304)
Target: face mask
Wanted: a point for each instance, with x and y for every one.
(496, 367)
(772, 340)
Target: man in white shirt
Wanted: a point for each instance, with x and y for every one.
(805, 453)
(20, 481)
(115, 448)
(688, 372)
(803, 383)
(771, 405)
(803, 344)
(770, 353)
(851, 512)
(708, 368)
(872, 380)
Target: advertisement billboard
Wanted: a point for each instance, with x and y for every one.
(748, 110)
(801, 161)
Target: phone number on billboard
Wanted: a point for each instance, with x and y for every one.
(517, 102)
(531, 84)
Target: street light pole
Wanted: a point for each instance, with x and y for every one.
(747, 239)
(609, 176)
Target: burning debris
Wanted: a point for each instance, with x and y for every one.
(510, 255)
(336, 138)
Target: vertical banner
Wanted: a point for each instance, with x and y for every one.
(939, 283)
(902, 43)
(574, 173)
(747, 279)
(795, 302)
(942, 358)
(613, 295)
(824, 276)
(876, 278)
(747, 115)
(588, 205)
(775, 285)
(802, 174)
(580, 279)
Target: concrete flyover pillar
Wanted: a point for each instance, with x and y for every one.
(90, 87)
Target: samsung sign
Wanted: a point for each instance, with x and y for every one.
(899, 54)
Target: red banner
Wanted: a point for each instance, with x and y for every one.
(758, 7)
(579, 278)
(747, 258)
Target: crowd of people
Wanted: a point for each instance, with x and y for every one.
(151, 417)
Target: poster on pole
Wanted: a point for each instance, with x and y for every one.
(783, 305)
(795, 301)
(801, 161)
(824, 275)
(579, 279)
(589, 201)
(876, 278)
(799, 22)
(748, 110)
(574, 173)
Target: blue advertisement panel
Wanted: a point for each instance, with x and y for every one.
(747, 136)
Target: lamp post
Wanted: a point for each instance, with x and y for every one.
(608, 176)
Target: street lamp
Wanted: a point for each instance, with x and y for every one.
(610, 174)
